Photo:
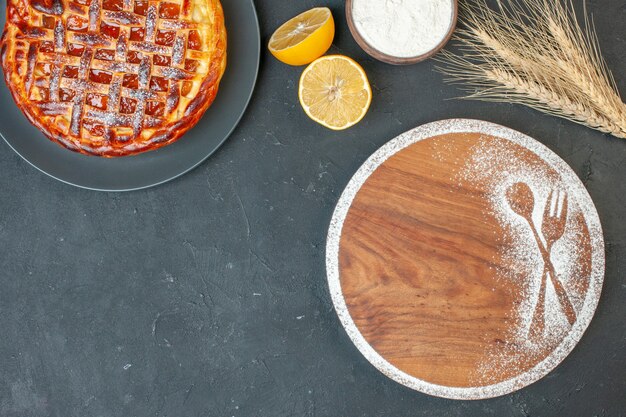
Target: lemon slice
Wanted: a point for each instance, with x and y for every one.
(334, 91)
(304, 38)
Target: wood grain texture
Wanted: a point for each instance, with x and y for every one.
(422, 269)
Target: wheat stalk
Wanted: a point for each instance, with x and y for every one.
(534, 52)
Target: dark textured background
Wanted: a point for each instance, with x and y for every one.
(207, 296)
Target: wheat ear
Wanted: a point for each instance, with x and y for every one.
(534, 52)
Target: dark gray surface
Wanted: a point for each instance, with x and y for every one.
(149, 168)
(207, 296)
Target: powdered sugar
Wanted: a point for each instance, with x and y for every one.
(499, 167)
(517, 249)
(178, 50)
(59, 36)
(151, 17)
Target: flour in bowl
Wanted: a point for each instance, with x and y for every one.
(403, 28)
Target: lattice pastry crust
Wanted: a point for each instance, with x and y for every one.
(114, 77)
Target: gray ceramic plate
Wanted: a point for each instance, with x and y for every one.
(156, 167)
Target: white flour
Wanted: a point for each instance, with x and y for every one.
(403, 28)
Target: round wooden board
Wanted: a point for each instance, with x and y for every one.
(465, 260)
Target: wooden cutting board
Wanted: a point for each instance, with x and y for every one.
(465, 259)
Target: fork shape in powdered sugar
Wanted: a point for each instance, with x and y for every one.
(552, 228)
(521, 199)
